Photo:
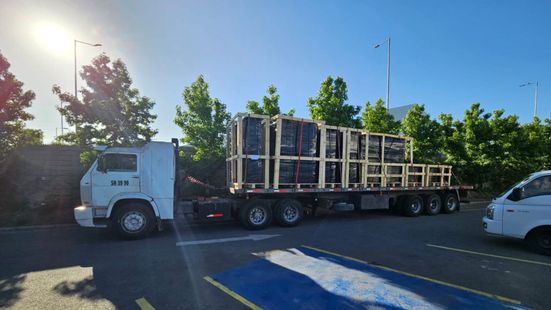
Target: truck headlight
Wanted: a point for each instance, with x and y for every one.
(490, 212)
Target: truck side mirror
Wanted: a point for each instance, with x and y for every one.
(101, 164)
(516, 194)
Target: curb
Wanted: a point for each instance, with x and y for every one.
(37, 227)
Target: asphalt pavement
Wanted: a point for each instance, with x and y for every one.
(334, 259)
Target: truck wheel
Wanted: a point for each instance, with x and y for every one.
(134, 220)
(412, 205)
(256, 215)
(450, 203)
(288, 212)
(539, 241)
(433, 204)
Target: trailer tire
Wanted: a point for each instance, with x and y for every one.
(450, 203)
(288, 212)
(133, 220)
(256, 215)
(433, 204)
(412, 206)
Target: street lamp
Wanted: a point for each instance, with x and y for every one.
(81, 42)
(535, 95)
(76, 94)
(387, 72)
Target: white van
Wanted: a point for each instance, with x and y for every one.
(524, 212)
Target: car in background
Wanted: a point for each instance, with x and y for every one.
(523, 212)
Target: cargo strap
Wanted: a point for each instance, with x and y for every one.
(299, 152)
(193, 180)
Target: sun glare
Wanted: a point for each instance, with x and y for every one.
(53, 38)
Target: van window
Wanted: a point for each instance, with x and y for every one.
(539, 186)
(120, 162)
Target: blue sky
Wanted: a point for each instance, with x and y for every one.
(445, 54)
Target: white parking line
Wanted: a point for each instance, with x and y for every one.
(490, 255)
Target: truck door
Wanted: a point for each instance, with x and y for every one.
(115, 173)
(534, 204)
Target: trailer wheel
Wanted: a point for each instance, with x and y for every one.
(256, 215)
(433, 204)
(412, 206)
(288, 212)
(134, 220)
(450, 203)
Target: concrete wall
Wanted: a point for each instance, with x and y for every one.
(40, 184)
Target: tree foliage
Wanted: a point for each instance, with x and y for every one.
(13, 103)
(111, 111)
(376, 118)
(203, 122)
(330, 104)
(426, 134)
(270, 104)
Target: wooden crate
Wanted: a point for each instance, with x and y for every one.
(278, 124)
(237, 159)
(356, 158)
(330, 158)
(438, 175)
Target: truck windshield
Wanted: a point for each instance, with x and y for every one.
(513, 186)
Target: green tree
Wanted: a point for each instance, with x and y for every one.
(477, 135)
(203, 122)
(330, 104)
(376, 118)
(425, 132)
(111, 111)
(452, 142)
(270, 104)
(13, 102)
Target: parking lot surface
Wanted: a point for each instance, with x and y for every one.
(333, 261)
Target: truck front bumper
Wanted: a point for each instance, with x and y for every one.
(492, 227)
(84, 216)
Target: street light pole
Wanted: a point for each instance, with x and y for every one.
(535, 95)
(75, 59)
(387, 72)
(75, 46)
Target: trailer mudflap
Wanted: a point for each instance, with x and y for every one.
(215, 210)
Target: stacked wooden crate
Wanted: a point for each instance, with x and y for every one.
(289, 152)
(248, 151)
(295, 155)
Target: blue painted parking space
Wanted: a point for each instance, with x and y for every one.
(307, 278)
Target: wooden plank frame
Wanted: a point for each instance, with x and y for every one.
(341, 160)
(277, 123)
(236, 157)
(411, 175)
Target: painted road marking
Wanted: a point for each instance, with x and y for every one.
(490, 255)
(506, 299)
(210, 241)
(291, 278)
(232, 293)
(143, 304)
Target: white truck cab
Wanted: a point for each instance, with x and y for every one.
(524, 212)
(132, 188)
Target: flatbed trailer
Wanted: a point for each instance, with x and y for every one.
(134, 190)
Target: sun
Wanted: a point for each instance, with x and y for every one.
(53, 38)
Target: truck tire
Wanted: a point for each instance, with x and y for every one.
(288, 212)
(255, 215)
(450, 203)
(412, 205)
(133, 220)
(539, 241)
(433, 204)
